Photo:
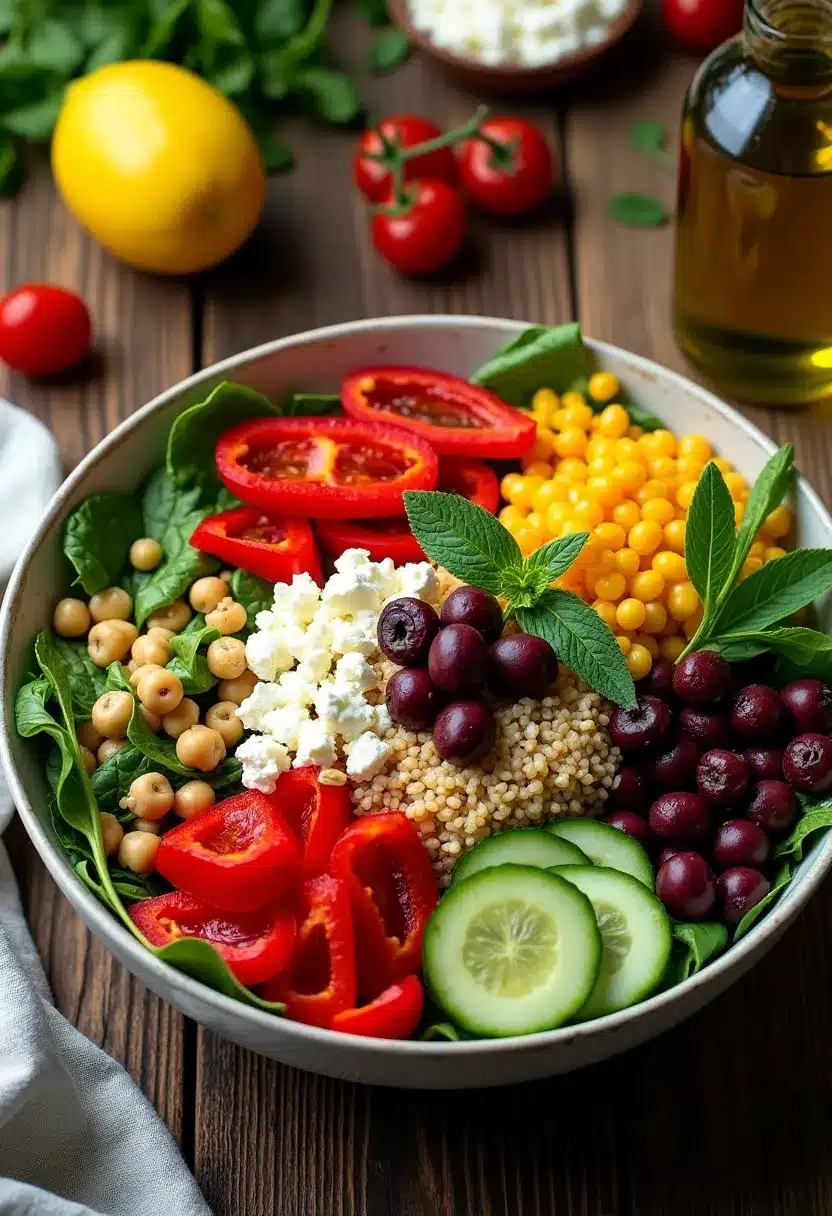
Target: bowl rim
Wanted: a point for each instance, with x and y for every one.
(108, 927)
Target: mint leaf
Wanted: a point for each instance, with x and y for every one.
(462, 537)
(638, 211)
(582, 641)
(694, 945)
(390, 48)
(768, 492)
(545, 355)
(774, 592)
(327, 94)
(649, 137)
(552, 560)
(818, 818)
(710, 537)
(782, 880)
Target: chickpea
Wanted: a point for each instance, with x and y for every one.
(200, 747)
(111, 714)
(90, 762)
(148, 649)
(227, 658)
(225, 575)
(228, 616)
(71, 618)
(109, 748)
(161, 691)
(149, 797)
(132, 666)
(153, 826)
(191, 798)
(110, 641)
(222, 718)
(175, 617)
(145, 553)
(182, 718)
(206, 593)
(88, 736)
(112, 833)
(154, 721)
(143, 670)
(137, 852)
(111, 605)
(237, 690)
(159, 634)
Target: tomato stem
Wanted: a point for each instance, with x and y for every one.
(449, 138)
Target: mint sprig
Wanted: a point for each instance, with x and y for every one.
(475, 547)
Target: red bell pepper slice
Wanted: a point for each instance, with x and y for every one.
(325, 467)
(392, 893)
(458, 418)
(320, 980)
(237, 855)
(273, 546)
(394, 1014)
(391, 537)
(255, 945)
(317, 814)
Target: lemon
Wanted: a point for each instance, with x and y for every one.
(160, 167)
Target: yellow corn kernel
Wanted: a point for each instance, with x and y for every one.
(630, 614)
(627, 514)
(682, 601)
(610, 586)
(774, 552)
(653, 488)
(558, 515)
(571, 441)
(627, 562)
(758, 549)
(587, 514)
(645, 537)
(524, 494)
(647, 585)
(545, 446)
(605, 561)
(572, 469)
(578, 414)
(551, 491)
(695, 447)
(577, 493)
(528, 539)
(778, 524)
(688, 469)
(671, 648)
(571, 398)
(671, 566)
(559, 420)
(737, 486)
(535, 520)
(664, 468)
(544, 404)
(674, 535)
(626, 450)
(639, 662)
(685, 493)
(655, 617)
(739, 512)
(692, 623)
(615, 422)
(648, 642)
(624, 643)
(600, 448)
(664, 443)
(604, 490)
(750, 566)
(723, 465)
(659, 509)
(630, 476)
(606, 611)
(512, 515)
(611, 536)
(603, 386)
(537, 468)
(511, 486)
(635, 432)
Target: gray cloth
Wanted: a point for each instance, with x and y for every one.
(77, 1137)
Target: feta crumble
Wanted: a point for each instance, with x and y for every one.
(367, 756)
(263, 760)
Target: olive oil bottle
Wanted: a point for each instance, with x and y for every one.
(753, 294)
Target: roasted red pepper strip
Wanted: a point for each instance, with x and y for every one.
(392, 893)
(324, 468)
(256, 945)
(317, 814)
(391, 537)
(320, 980)
(275, 547)
(458, 418)
(237, 855)
(394, 1014)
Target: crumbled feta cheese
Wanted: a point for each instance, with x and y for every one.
(343, 710)
(315, 746)
(353, 670)
(358, 633)
(263, 699)
(263, 760)
(267, 654)
(266, 620)
(367, 756)
(284, 724)
(419, 581)
(297, 687)
(383, 720)
(297, 602)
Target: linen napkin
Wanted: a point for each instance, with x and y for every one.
(77, 1137)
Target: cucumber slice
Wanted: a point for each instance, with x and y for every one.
(520, 847)
(512, 950)
(605, 845)
(636, 935)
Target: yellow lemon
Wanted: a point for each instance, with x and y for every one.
(159, 166)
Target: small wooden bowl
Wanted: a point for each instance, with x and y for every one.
(511, 78)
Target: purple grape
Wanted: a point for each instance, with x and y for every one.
(641, 728)
(722, 776)
(740, 889)
(686, 887)
(773, 806)
(680, 817)
(738, 842)
(702, 679)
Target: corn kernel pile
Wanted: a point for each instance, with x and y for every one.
(631, 490)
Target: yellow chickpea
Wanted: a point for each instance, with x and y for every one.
(200, 747)
(659, 509)
(88, 736)
(655, 617)
(137, 852)
(206, 593)
(614, 422)
(512, 517)
(649, 643)
(606, 611)
(147, 649)
(90, 762)
(672, 648)
(150, 797)
(571, 469)
(112, 833)
(145, 554)
(779, 523)
(109, 748)
(174, 617)
(671, 566)
(603, 386)
(627, 562)
(113, 604)
(111, 714)
(630, 615)
(191, 798)
(237, 690)
(181, 719)
(624, 643)
(610, 586)
(544, 404)
(695, 447)
(222, 718)
(510, 488)
(682, 601)
(71, 618)
(627, 514)
(639, 662)
(674, 535)
(138, 672)
(647, 585)
(110, 641)
(645, 537)
(160, 691)
(228, 616)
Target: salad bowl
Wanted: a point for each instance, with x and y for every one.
(314, 362)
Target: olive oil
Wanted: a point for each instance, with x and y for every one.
(753, 297)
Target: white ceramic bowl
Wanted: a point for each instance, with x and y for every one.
(317, 361)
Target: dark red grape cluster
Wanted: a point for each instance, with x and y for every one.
(712, 765)
(448, 662)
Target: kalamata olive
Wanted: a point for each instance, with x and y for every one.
(634, 825)
(764, 763)
(722, 776)
(686, 886)
(474, 607)
(413, 700)
(643, 727)
(406, 628)
(464, 732)
(773, 806)
(807, 763)
(523, 666)
(757, 714)
(675, 769)
(680, 816)
(702, 679)
(709, 730)
(738, 842)
(629, 789)
(809, 705)
(458, 660)
(739, 890)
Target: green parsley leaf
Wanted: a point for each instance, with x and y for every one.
(11, 165)
(806, 651)
(390, 48)
(638, 211)
(710, 537)
(36, 120)
(465, 539)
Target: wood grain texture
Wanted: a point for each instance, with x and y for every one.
(143, 345)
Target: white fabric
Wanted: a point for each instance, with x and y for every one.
(77, 1138)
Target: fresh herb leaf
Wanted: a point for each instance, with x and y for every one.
(328, 95)
(53, 45)
(638, 211)
(444, 1032)
(462, 537)
(818, 818)
(806, 651)
(553, 559)
(710, 537)
(199, 960)
(739, 649)
(255, 594)
(303, 405)
(277, 158)
(11, 165)
(768, 491)
(171, 580)
(775, 591)
(374, 11)
(194, 434)
(649, 137)
(98, 536)
(694, 946)
(582, 641)
(278, 20)
(781, 880)
(86, 680)
(132, 888)
(35, 120)
(189, 664)
(111, 781)
(390, 49)
(552, 355)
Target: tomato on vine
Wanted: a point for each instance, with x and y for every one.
(702, 25)
(373, 174)
(507, 167)
(44, 330)
(423, 230)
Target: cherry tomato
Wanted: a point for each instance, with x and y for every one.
(373, 178)
(511, 171)
(43, 329)
(702, 25)
(426, 234)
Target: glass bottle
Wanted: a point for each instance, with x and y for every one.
(753, 295)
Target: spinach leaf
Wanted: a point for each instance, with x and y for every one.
(443, 1032)
(545, 355)
(391, 47)
(188, 664)
(194, 434)
(166, 507)
(775, 591)
(636, 210)
(817, 818)
(131, 887)
(255, 594)
(462, 537)
(302, 405)
(171, 580)
(710, 539)
(694, 946)
(111, 781)
(199, 960)
(98, 536)
(327, 94)
(86, 680)
(781, 880)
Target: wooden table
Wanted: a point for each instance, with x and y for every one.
(730, 1114)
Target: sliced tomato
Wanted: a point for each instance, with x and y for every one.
(391, 537)
(324, 468)
(274, 546)
(458, 418)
